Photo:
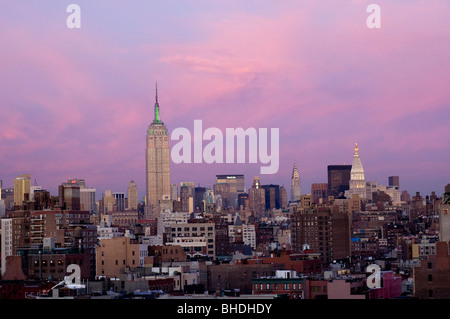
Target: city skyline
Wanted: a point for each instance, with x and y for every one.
(315, 71)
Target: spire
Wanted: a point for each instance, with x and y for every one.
(156, 119)
(295, 173)
(356, 149)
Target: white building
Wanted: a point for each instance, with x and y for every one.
(7, 241)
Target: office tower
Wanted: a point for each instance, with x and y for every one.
(157, 163)
(295, 184)
(187, 192)
(108, 202)
(319, 193)
(236, 186)
(34, 189)
(272, 194)
(357, 183)
(69, 196)
(394, 181)
(8, 197)
(223, 190)
(190, 186)
(22, 186)
(236, 182)
(257, 197)
(338, 179)
(77, 182)
(243, 201)
(132, 196)
(173, 191)
(283, 197)
(184, 199)
(87, 199)
(120, 200)
(87, 195)
(209, 201)
(199, 192)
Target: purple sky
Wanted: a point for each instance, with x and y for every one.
(76, 103)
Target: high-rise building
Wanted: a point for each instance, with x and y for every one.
(319, 192)
(185, 199)
(132, 196)
(338, 179)
(236, 186)
(394, 181)
(157, 163)
(22, 185)
(236, 182)
(174, 191)
(108, 202)
(87, 199)
(257, 198)
(223, 190)
(295, 184)
(272, 193)
(77, 182)
(198, 198)
(283, 197)
(120, 200)
(69, 196)
(87, 195)
(357, 183)
(325, 230)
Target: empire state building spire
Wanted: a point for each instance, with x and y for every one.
(157, 119)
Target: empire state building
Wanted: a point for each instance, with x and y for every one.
(157, 159)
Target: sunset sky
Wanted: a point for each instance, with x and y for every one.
(76, 103)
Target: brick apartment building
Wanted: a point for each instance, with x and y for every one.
(325, 230)
(431, 278)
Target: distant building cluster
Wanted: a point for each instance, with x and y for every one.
(184, 240)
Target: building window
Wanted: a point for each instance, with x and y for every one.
(430, 265)
(430, 293)
(430, 277)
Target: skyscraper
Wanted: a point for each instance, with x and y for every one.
(257, 198)
(338, 179)
(295, 185)
(132, 196)
(357, 183)
(157, 163)
(22, 186)
(394, 181)
(120, 200)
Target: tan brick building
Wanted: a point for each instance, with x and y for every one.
(118, 253)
